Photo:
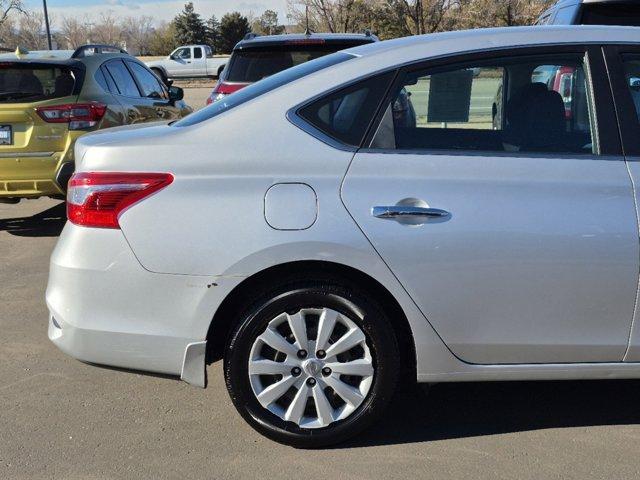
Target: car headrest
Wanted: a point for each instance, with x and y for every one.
(535, 118)
(64, 85)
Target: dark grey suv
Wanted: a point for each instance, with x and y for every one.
(592, 12)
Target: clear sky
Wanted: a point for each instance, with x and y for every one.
(158, 9)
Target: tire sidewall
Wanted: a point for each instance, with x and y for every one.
(380, 339)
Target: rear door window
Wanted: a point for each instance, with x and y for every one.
(197, 52)
(510, 105)
(632, 80)
(31, 83)
(125, 83)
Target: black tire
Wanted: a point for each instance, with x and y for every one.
(348, 300)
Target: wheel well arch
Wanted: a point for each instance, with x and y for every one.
(225, 317)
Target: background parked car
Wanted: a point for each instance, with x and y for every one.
(592, 12)
(257, 57)
(189, 61)
(49, 99)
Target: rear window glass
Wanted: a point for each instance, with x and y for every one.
(254, 64)
(262, 87)
(32, 83)
(611, 14)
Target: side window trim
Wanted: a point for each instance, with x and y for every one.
(622, 102)
(608, 143)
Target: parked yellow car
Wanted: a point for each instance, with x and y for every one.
(49, 99)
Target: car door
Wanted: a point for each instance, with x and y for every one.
(180, 64)
(623, 64)
(518, 241)
(154, 95)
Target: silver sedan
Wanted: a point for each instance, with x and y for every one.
(451, 207)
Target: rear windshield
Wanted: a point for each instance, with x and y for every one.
(256, 63)
(32, 83)
(259, 88)
(627, 15)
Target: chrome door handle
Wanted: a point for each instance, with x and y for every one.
(405, 211)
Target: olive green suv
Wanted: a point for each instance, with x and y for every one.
(50, 98)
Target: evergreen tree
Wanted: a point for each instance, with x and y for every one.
(233, 28)
(190, 29)
(213, 33)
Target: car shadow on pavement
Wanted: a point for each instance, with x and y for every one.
(48, 223)
(462, 410)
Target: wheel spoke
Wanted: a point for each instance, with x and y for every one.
(296, 408)
(348, 393)
(326, 325)
(299, 329)
(269, 367)
(278, 342)
(349, 340)
(324, 410)
(274, 391)
(361, 367)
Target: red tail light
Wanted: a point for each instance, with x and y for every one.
(97, 199)
(223, 89)
(78, 115)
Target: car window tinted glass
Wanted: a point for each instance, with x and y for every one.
(632, 74)
(260, 88)
(254, 64)
(123, 79)
(611, 14)
(513, 105)
(346, 115)
(197, 52)
(30, 83)
(150, 85)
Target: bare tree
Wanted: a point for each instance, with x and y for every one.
(8, 33)
(332, 15)
(8, 6)
(74, 32)
(107, 29)
(31, 33)
(137, 32)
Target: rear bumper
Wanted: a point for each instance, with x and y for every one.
(34, 176)
(105, 308)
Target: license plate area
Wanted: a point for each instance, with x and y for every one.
(6, 135)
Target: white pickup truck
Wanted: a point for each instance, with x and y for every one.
(189, 61)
